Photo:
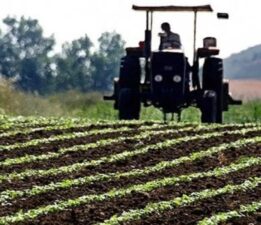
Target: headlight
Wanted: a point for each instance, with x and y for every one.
(158, 78)
(177, 78)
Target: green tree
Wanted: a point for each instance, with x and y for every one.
(73, 65)
(24, 55)
(106, 61)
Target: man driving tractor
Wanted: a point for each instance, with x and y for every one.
(168, 39)
(166, 80)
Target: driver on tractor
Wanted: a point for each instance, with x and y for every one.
(168, 39)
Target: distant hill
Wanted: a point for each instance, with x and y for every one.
(244, 65)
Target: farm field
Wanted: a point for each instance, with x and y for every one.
(73, 171)
(246, 90)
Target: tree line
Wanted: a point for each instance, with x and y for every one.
(27, 58)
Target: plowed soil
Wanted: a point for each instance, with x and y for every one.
(97, 212)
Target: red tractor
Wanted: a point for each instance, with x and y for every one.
(166, 80)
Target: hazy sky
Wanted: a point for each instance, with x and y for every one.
(71, 19)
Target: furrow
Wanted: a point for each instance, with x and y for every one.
(158, 207)
(135, 173)
(23, 135)
(184, 200)
(15, 123)
(12, 123)
(222, 217)
(89, 185)
(78, 139)
(148, 131)
(62, 137)
(113, 158)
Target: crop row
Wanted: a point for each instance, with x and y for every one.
(69, 183)
(13, 123)
(36, 190)
(116, 157)
(85, 147)
(62, 137)
(58, 126)
(184, 200)
(7, 121)
(28, 130)
(23, 122)
(73, 124)
(27, 153)
(147, 133)
(225, 216)
(147, 187)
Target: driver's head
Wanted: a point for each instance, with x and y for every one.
(165, 27)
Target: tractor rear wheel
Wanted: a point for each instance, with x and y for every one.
(209, 107)
(129, 104)
(130, 72)
(213, 80)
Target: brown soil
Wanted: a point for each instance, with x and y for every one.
(20, 137)
(250, 219)
(139, 161)
(92, 154)
(196, 212)
(22, 125)
(54, 146)
(97, 212)
(205, 164)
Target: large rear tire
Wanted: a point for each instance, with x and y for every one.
(129, 104)
(130, 72)
(213, 80)
(209, 107)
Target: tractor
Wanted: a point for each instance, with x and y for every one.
(165, 79)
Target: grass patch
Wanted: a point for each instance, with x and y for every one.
(248, 112)
(92, 106)
(14, 103)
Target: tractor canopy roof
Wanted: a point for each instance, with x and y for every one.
(172, 8)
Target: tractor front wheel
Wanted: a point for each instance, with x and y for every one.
(209, 107)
